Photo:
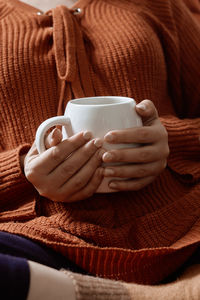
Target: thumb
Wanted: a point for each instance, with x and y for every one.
(147, 111)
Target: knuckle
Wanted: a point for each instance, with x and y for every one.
(67, 170)
(55, 154)
(144, 134)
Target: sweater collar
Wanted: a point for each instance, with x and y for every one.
(20, 4)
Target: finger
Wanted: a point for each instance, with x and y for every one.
(135, 170)
(138, 135)
(76, 171)
(145, 154)
(50, 186)
(131, 185)
(32, 154)
(33, 150)
(54, 156)
(54, 138)
(147, 110)
(89, 189)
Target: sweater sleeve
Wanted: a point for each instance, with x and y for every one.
(14, 187)
(184, 84)
(188, 34)
(184, 144)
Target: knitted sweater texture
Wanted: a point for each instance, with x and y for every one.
(141, 49)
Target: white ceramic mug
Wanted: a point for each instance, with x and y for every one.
(98, 115)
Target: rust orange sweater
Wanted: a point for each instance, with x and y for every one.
(141, 49)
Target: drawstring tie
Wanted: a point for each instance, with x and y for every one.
(70, 55)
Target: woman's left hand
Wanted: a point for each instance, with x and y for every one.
(141, 165)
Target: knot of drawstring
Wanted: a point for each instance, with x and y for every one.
(70, 55)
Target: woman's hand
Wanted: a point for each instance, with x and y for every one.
(143, 164)
(69, 170)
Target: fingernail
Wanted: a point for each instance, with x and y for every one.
(108, 172)
(98, 143)
(109, 137)
(107, 156)
(87, 135)
(141, 106)
(56, 133)
(53, 133)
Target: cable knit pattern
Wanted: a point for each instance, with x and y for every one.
(141, 49)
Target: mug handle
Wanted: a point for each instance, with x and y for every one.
(46, 125)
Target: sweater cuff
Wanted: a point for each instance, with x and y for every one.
(184, 144)
(89, 288)
(11, 174)
(184, 135)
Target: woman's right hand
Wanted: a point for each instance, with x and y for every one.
(68, 170)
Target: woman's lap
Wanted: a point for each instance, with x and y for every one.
(18, 246)
(14, 277)
(15, 251)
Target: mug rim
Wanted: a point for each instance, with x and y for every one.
(119, 100)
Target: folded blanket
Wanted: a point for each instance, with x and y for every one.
(185, 287)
